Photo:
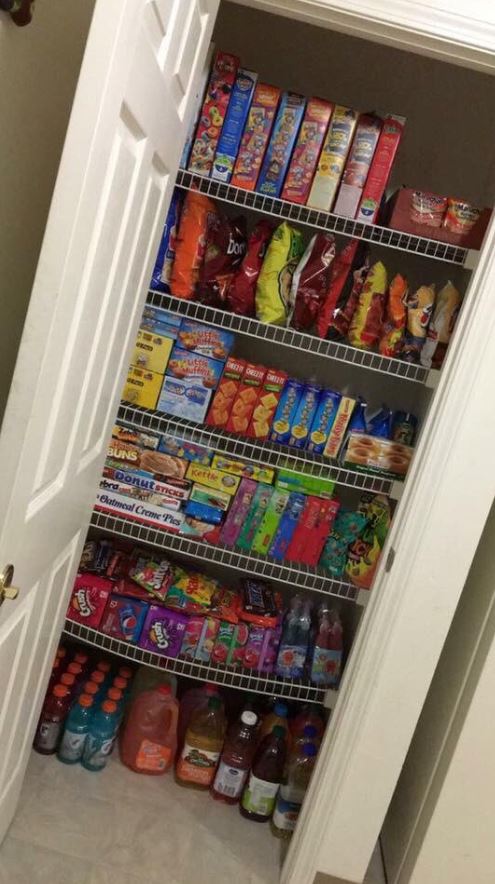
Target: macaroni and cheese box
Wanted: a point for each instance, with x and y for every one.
(246, 397)
(142, 387)
(254, 517)
(381, 166)
(228, 387)
(270, 521)
(213, 478)
(255, 136)
(339, 426)
(244, 469)
(323, 421)
(233, 126)
(332, 158)
(188, 384)
(268, 399)
(238, 512)
(284, 134)
(161, 322)
(151, 351)
(286, 410)
(358, 165)
(287, 525)
(205, 339)
(304, 416)
(213, 112)
(307, 150)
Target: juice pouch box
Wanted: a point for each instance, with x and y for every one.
(213, 112)
(286, 410)
(255, 136)
(270, 649)
(207, 640)
(238, 512)
(223, 642)
(163, 631)
(246, 397)
(188, 384)
(151, 351)
(192, 636)
(307, 150)
(304, 416)
(284, 134)
(235, 656)
(212, 478)
(323, 421)
(123, 618)
(88, 600)
(269, 523)
(358, 165)
(228, 387)
(253, 520)
(338, 430)
(233, 126)
(142, 387)
(205, 339)
(381, 166)
(332, 158)
(254, 647)
(268, 399)
(243, 469)
(287, 525)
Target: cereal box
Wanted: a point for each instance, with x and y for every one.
(381, 166)
(307, 150)
(157, 516)
(269, 524)
(88, 600)
(151, 351)
(238, 512)
(284, 134)
(332, 158)
(255, 136)
(188, 384)
(287, 525)
(243, 469)
(339, 426)
(358, 165)
(304, 416)
(306, 484)
(161, 322)
(205, 339)
(204, 77)
(213, 478)
(142, 387)
(223, 399)
(233, 127)
(185, 449)
(323, 421)
(163, 631)
(213, 112)
(286, 410)
(246, 397)
(268, 399)
(211, 497)
(123, 618)
(254, 517)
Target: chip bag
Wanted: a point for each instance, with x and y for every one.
(441, 326)
(242, 289)
(311, 281)
(160, 278)
(337, 327)
(366, 324)
(419, 309)
(224, 251)
(345, 530)
(275, 279)
(394, 326)
(190, 245)
(364, 553)
(340, 282)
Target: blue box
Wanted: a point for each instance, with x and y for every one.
(323, 421)
(216, 343)
(188, 384)
(233, 126)
(286, 410)
(284, 134)
(287, 525)
(160, 278)
(160, 322)
(204, 512)
(185, 449)
(304, 416)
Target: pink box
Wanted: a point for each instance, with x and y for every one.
(380, 169)
(88, 600)
(255, 137)
(214, 108)
(358, 165)
(238, 512)
(307, 150)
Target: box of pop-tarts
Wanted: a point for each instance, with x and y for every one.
(188, 384)
(151, 351)
(205, 339)
(161, 322)
(270, 521)
(332, 158)
(268, 399)
(284, 134)
(381, 166)
(255, 136)
(323, 421)
(286, 410)
(142, 387)
(223, 399)
(358, 165)
(233, 126)
(213, 112)
(246, 398)
(304, 416)
(307, 150)
(287, 525)
(252, 522)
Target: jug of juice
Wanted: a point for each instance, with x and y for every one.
(76, 730)
(278, 716)
(292, 791)
(146, 679)
(100, 738)
(308, 715)
(260, 791)
(199, 756)
(236, 759)
(149, 740)
(193, 700)
(51, 723)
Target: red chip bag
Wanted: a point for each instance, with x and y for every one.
(366, 325)
(347, 303)
(340, 275)
(311, 281)
(190, 244)
(242, 289)
(394, 325)
(225, 248)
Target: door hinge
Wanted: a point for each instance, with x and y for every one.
(390, 560)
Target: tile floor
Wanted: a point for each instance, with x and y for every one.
(116, 827)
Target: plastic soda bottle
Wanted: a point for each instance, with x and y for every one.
(278, 715)
(76, 730)
(149, 741)
(50, 725)
(101, 736)
(291, 794)
(236, 759)
(309, 735)
(202, 747)
(260, 791)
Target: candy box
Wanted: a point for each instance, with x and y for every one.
(304, 416)
(372, 454)
(204, 512)
(123, 618)
(142, 387)
(233, 126)
(245, 399)
(307, 150)
(161, 322)
(149, 514)
(192, 636)
(185, 449)
(269, 524)
(254, 517)
(380, 169)
(332, 158)
(243, 469)
(236, 654)
(151, 351)
(137, 493)
(238, 512)
(287, 525)
(207, 640)
(289, 116)
(152, 573)
(255, 136)
(212, 478)
(323, 421)
(228, 387)
(215, 105)
(286, 410)
(163, 631)
(306, 484)
(205, 339)
(358, 165)
(339, 426)
(211, 497)
(223, 642)
(188, 384)
(88, 600)
(266, 405)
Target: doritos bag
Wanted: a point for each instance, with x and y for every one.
(275, 279)
(224, 251)
(242, 290)
(311, 281)
(190, 244)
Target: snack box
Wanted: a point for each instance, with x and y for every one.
(228, 387)
(223, 642)
(243, 469)
(401, 216)
(192, 636)
(233, 126)
(151, 351)
(163, 631)
(246, 398)
(185, 450)
(177, 489)
(236, 654)
(200, 530)
(306, 484)
(323, 421)
(125, 455)
(153, 573)
(205, 513)
(268, 399)
(142, 387)
(286, 410)
(149, 514)
(254, 517)
(338, 430)
(287, 525)
(213, 112)
(137, 493)
(288, 120)
(210, 497)
(304, 416)
(269, 523)
(358, 165)
(205, 339)
(89, 599)
(238, 512)
(188, 384)
(332, 158)
(372, 454)
(207, 640)
(312, 529)
(213, 478)
(161, 322)
(255, 136)
(123, 618)
(380, 169)
(307, 150)
(141, 438)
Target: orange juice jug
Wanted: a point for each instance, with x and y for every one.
(198, 759)
(149, 740)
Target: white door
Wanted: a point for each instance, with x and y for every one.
(131, 112)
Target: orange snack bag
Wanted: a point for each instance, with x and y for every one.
(246, 398)
(394, 326)
(227, 389)
(190, 244)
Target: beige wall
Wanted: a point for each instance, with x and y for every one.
(39, 66)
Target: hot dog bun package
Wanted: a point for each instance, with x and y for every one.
(275, 279)
(441, 326)
(311, 281)
(190, 246)
(366, 324)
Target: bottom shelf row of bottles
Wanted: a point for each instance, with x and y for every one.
(257, 753)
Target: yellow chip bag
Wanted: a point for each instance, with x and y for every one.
(366, 324)
(275, 279)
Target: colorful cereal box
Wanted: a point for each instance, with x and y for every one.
(161, 322)
(323, 421)
(228, 387)
(254, 517)
(233, 126)
(192, 636)
(123, 618)
(88, 600)
(185, 449)
(238, 512)
(213, 478)
(211, 497)
(213, 112)
(198, 104)
(339, 427)
(287, 525)
(307, 150)
(151, 351)
(358, 165)
(205, 339)
(188, 384)
(160, 278)
(243, 469)
(246, 398)
(304, 416)
(207, 640)
(142, 387)
(381, 166)
(286, 410)
(255, 136)
(268, 399)
(284, 134)
(269, 524)
(163, 631)
(120, 504)
(223, 642)
(332, 158)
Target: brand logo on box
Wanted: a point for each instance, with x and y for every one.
(82, 602)
(159, 635)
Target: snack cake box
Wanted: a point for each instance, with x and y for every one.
(307, 150)
(188, 384)
(178, 489)
(268, 399)
(255, 136)
(223, 399)
(120, 504)
(137, 493)
(358, 165)
(289, 117)
(337, 432)
(151, 351)
(212, 478)
(123, 618)
(332, 158)
(163, 631)
(213, 112)
(380, 169)
(141, 438)
(323, 421)
(205, 339)
(89, 599)
(246, 398)
(142, 387)
(233, 126)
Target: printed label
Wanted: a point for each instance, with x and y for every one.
(96, 752)
(72, 746)
(48, 735)
(197, 765)
(153, 756)
(326, 666)
(285, 814)
(229, 780)
(259, 797)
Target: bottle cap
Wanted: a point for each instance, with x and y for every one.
(119, 683)
(81, 658)
(125, 672)
(109, 706)
(60, 690)
(97, 676)
(281, 709)
(279, 731)
(104, 666)
(114, 694)
(67, 678)
(214, 703)
(211, 689)
(74, 668)
(164, 689)
(249, 718)
(91, 687)
(61, 652)
(85, 700)
(309, 750)
(309, 731)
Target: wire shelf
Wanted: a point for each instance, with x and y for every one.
(266, 453)
(254, 682)
(300, 576)
(289, 337)
(327, 221)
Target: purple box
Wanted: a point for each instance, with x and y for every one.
(123, 618)
(238, 512)
(163, 631)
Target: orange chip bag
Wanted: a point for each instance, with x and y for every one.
(190, 244)
(394, 326)
(366, 324)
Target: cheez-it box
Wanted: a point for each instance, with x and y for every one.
(268, 399)
(228, 387)
(246, 398)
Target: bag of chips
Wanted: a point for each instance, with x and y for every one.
(441, 326)
(224, 251)
(162, 271)
(311, 281)
(347, 302)
(340, 282)
(190, 245)
(345, 530)
(364, 553)
(242, 290)
(394, 326)
(366, 324)
(275, 279)
(419, 309)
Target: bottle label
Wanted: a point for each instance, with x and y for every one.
(96, 751)
(229, 781)
(259, 796)
(285, 814)
(72, 746)
(326, 666)
(291, 660)
(48, 735)
(153, 756)
(197, 765)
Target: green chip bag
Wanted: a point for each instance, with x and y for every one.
(275, 279)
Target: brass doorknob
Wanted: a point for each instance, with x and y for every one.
(7, 591)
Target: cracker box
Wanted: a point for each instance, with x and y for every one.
(141, 438)
(266, 406)
(304, 416)
(188, 384)
(254, 517)
(312, 530)
(176, 489)
(380, 169)
(192, 636)
(213, 112)
(142, 387)
(323, 421)
(338, 430)
(332, 158)
(233, 126)
(358, 165)
(246, 398)
(270, 521)
(238, 512)
(211, 497)
(286, 410)
(228, 387)
(161, 322)
(212, 478)
(205, 339)
(255, 136)
(88, 600)
(287, 525)
(121, 505)
(163, 631)
(243, 469)
(223, 642)
(184, 449)
(123, 618)
(307, 150)
(373, 454)
(145, 496)
(305, 483)
(284, 134)
(151, 351)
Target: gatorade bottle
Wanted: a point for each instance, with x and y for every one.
(101, 736)
(121, 684)
(291, 794)
(278, 716)
(70, 683)
(202, 747)
(98, 678)
(118, 698)
(81, 658)
(91, 688)
(149, 741)
(76, 730)
(236, 759)
(50, 725)
(61, 652)
(54, 676)
(104, 666)
(260, 792)
(125, 672)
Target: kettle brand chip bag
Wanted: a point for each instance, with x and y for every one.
(394, 326)
(275, 279)
(190, 244)
(242, 289)
(311, 281)
(224, 251)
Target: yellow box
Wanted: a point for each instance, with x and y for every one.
(213, 478)
(151, 351)
(142, 387)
